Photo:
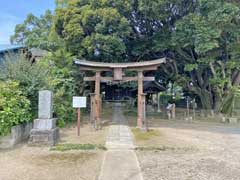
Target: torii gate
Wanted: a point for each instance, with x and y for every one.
(117, 69)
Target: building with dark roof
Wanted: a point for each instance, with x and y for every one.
(10, 49)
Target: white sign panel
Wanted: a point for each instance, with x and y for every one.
(79, 102)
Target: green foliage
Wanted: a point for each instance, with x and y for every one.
(14, 106)
(34, 31)
(63, 81)
(201, 39)
(190, 67)
(92, 30)
(206, 42)
(31, 77)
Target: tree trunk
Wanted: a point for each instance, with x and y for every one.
(206, 101)
(218, 99)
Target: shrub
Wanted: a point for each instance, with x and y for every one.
(14, 107)
(31, 77)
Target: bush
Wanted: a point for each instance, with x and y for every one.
(55, 72)
(14, 107)
(31, 77)
(63, 83)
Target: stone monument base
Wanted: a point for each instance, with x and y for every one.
(40, 137)
(45, 123)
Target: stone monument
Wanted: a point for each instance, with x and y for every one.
(44, 130)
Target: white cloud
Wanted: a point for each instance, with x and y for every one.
(7, 26)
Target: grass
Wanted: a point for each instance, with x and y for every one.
(62, 158)
(67, 147)
(130, 113)
(142, 135)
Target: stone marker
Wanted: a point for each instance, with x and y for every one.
(233, 120)
(44, 130)
(45, 105)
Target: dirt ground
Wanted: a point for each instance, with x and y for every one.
(193, 151)
(181, 150)
(39, 163)
(88, 135)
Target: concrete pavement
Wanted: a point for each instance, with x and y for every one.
(120, 161)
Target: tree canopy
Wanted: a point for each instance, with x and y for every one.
(200, 39)
(34, 31)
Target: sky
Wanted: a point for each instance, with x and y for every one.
(14, 12)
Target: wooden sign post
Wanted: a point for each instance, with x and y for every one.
(79, 102)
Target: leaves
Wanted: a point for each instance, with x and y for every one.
(190, 67)
(92, 30)
(14, 106)
(34, 31)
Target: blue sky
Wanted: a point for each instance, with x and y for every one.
(13, 12)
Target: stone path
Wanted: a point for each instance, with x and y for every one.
(120, 161)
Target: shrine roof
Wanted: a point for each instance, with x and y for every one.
(143, 64)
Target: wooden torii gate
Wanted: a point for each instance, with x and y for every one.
(118, 76)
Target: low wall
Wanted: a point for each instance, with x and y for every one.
(18, 134)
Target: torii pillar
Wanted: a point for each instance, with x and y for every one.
(140, 92)
(97, 97)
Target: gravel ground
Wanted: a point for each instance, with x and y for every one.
(197, 151)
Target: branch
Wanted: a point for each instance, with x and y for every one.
(212, 70)
(223, 68)
(236, 81)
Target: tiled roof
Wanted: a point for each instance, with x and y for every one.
(5, 47)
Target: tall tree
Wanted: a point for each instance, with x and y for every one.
(34, 31)
(119, 29)
(92, 30)
(204, 41)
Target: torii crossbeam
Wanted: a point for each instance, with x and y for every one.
(118, 76)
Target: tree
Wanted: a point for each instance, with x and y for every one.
(34, 31)
(92, 30)
(199, 38)
(119, 30)
(204, 42)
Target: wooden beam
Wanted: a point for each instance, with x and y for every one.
(101, 78)
(82, 68)
(89, 78)
(124, 79)
(136, 78)
(118, 74)
(147, 68)
(92, 64)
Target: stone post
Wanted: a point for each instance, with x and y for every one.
(174, 111)
(158, 102)
(44, 130)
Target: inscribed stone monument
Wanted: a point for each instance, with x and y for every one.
(44, 130)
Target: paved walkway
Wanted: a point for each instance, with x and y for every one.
(120, 161)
